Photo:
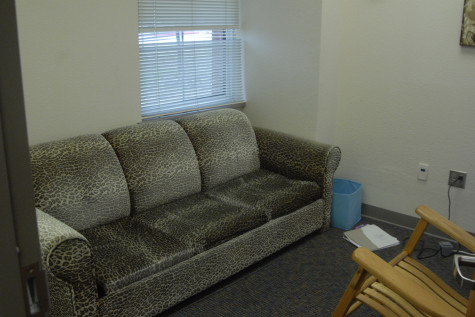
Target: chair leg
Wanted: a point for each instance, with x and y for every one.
(350, 293)
(416, 236)
(471, 302)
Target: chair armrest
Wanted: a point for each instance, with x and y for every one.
(295, 157)
(67, 259)
(447, 227)
(403, 286)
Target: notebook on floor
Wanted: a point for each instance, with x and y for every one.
(370, 236)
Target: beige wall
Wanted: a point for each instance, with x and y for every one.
(405, 95)
(394, 88)
(80, 66)
(331, 54)
(282, 47)
(385, 80)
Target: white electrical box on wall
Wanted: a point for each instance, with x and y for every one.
(423, 171)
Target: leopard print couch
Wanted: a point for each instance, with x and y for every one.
(140, 218)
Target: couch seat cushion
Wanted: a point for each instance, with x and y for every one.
(201, 221)
(272, 193)
(124, 253)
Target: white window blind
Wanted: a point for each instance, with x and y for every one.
(190, 55)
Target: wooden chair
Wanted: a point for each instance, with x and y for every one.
(403, 286)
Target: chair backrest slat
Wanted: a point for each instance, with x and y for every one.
(407, 282)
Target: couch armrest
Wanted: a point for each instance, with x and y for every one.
(67, 259)
(301, 159)
(296, 157)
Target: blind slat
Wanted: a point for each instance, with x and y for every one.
(182, 13)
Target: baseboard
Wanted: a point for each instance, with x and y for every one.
(399, 219)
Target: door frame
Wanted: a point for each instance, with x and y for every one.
(23, 285)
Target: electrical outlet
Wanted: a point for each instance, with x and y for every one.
(454, 178)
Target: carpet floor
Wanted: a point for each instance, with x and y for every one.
(307, 278)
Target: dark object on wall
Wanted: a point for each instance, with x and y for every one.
(467, 37)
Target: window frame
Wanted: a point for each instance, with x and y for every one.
(225, 77)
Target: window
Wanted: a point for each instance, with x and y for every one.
(190, 55)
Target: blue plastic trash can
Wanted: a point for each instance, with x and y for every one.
(346, 203)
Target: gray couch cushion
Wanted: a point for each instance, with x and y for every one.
(272, 193)
(123, 253)
(225, 144)
(201, 221)
(159, 162)
(79, 181)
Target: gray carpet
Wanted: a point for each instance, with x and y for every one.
(305, 279)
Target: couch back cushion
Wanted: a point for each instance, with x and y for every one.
(225, 144)
(158, 160)
(79, 181)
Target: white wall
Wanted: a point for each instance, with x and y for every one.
(282, 45)
(406, 95)
(394, 88)
(384, 80)
(80, 66)
(331, 54)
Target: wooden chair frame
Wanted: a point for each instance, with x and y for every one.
(403, 286)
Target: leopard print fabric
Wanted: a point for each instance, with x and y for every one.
(300, 159)
(155, 294)
(159, 162)
(125, 253)
(67, 259)
(71, 262)
(225, 144)
(202, 222)
(220, 161)
(79, 181)
(273, 194)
